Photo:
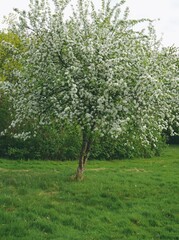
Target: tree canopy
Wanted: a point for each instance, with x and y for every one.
(9, 41)
(9, 63)
(95, 70)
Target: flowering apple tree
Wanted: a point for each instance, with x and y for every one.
(95, 70)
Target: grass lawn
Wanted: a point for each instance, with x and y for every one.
(128, 199)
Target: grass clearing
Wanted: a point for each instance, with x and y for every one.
(128, 199)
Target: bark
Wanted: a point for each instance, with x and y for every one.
(85, 150)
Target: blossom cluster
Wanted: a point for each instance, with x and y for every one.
(96, 70)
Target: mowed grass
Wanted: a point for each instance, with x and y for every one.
(128, 199)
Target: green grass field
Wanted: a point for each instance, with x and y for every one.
(128, 199)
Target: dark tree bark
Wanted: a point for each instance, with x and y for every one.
(85, 150)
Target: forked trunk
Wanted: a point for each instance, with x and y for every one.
(85, 149)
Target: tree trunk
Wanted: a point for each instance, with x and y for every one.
(85, 150)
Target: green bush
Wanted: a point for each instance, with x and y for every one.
(57, 142)
(63, 143)
(109, 148)
(52, 142)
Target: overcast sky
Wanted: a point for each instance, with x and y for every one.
(165, 10)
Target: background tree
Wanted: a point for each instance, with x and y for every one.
(10, 44)
(93, 70)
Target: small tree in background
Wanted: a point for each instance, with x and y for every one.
(9, 63)
(94, 70)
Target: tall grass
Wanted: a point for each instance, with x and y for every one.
(128, 199)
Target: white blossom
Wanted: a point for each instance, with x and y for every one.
(94, 69)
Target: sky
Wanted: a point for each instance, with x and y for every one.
(165, 10)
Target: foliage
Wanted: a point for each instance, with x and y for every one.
(63, 143)
(10, 45)
(52, 142)
(8, 63)
(58, 142)
(5, 118)
(131, 199)
(125, 147)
